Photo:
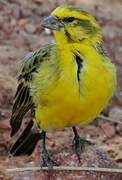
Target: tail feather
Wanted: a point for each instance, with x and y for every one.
(27, 141)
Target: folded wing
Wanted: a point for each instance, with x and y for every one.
(23, 102)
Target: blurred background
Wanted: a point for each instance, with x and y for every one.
(20, 33)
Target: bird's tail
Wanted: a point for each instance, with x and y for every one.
(26, 142)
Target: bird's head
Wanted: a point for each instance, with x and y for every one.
(73, 24)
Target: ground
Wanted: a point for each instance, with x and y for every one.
(20, 33)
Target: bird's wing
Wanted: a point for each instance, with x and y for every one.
(23, 101)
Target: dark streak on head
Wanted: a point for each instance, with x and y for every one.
(68, 35)
(89, 28)
(71, 8)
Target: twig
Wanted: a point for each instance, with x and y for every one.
(66, 168)
(109, 119)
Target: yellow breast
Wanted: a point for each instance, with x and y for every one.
(61, 100)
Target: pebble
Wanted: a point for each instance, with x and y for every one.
(30, 28)
(116, 113)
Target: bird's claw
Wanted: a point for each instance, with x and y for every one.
(47, 161)
(79, 145)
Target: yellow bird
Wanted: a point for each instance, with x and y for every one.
(64, 84)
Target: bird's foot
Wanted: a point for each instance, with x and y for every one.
(47, 161)
(79, 145)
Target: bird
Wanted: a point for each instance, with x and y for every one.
(67, 83)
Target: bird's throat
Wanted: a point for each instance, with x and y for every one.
(60, 37)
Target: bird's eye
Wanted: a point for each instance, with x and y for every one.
(69, 19)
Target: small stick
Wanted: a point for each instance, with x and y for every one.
(66, 168)
(109, 119)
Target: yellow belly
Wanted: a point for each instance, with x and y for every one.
(72, 111)
(69, 103)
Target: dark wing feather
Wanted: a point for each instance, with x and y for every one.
(27, 141)
(23, 102)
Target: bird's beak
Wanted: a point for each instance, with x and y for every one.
(52, 23)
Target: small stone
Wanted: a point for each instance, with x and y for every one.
(108, 129)
(119, 97)
(26, 12)
(22, 22)
(17, 13)
(38, 1)
(7, 28)
(119, 129)
(13, 22)
(116, 113)
(30, 28)
(1, 21)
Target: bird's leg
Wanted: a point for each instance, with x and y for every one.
(46, 160)
(79, 143)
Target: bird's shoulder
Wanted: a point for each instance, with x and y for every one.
(33, 60)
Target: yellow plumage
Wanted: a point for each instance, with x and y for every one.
(67, 83)
(65, 102)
